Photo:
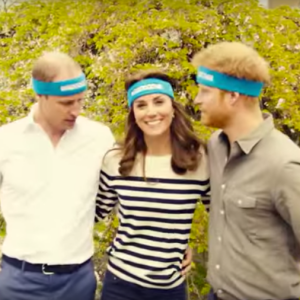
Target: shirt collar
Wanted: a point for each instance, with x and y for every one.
(30, 117)
(248, 142)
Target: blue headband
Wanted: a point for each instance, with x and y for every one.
(149, 86)
(228, 83)
(60, 88)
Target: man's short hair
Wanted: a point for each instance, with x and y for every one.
(235, 59)
(51, 64)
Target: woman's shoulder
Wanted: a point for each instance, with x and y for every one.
(202, 170)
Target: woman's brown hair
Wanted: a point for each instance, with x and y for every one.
(185, 144)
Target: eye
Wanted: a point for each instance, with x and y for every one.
(159, 101)
(72, 102)
(67, 103)
(140, 105)
(203, 92)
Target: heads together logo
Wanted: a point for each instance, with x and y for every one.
(205, 76)
(60, 88)
(147, 87)
(73, 86)
(226, 82)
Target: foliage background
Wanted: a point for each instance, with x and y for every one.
(112, 38)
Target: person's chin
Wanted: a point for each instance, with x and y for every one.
(70, 123)
(205, 121)
(154, 133)
(212, 125)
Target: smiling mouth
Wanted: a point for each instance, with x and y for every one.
(153, 123)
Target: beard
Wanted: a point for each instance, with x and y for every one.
(216, 120)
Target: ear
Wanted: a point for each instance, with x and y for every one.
(37, 97)
(233, 97)
(40, 97)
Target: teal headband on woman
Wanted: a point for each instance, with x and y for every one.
(60, 88)
(225, 82)
(149, 86)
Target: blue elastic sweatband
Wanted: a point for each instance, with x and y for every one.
(149, 86)
(60, 88)
(225, 82)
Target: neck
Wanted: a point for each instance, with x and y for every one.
(53, 133)
(158, 146)
(243, 124)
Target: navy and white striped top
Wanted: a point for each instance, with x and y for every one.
(155, 217)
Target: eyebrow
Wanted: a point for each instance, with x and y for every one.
(203, 88)
(158, 97)
(69, 100)
(142, 100)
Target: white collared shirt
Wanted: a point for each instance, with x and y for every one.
(47, 194)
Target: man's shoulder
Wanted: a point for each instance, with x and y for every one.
(87, 122)
(96, 133)
(111, 160)
(93, 127)
(13, 127)
(214, 137)
(283, 146)
(113, 154)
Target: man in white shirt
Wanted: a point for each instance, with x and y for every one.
(49, 168)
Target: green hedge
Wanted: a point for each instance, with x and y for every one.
(112, 38)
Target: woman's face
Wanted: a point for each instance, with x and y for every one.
(153, 114)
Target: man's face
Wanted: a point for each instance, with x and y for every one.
(212, 104)
(61, 112)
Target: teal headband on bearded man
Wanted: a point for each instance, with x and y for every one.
(60, 88)
(228, 83)
(149, 86)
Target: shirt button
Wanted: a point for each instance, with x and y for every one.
(217, 267)
(240, 202)
(219, 239)
(223, 186)
(222, 212)
(220, 292)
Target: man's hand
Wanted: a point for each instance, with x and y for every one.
(187, 261)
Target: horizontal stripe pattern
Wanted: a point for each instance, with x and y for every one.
(155, 219)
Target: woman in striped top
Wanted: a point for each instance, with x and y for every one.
(156, 176)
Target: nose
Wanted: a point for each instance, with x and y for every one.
(76, 109)
(198, 100)
(151, 110)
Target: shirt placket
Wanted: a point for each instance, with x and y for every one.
(221, 216)
(221, 231)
